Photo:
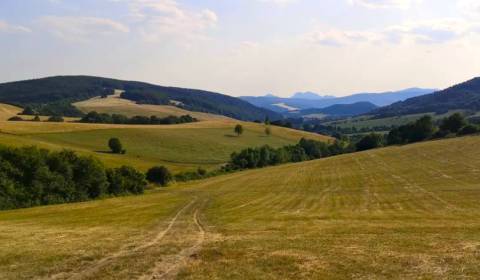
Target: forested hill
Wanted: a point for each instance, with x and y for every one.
(462, 96)
(54, 95)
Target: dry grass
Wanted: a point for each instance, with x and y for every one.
(113, 104)
(397, 213)
(8, 111)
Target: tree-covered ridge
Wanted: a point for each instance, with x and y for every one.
(31, 177)
(54, 96)
(94, 117)
(462, 96)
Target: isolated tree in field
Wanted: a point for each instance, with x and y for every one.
(453, 123)
(116, 146)
(268, 131)
(238, 129)
(37, 118)
(159, 175)
(56, 119)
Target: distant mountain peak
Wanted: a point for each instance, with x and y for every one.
(310, 95)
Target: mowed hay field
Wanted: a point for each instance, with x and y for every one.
(206, 144)
(113, 104)
(409, 212)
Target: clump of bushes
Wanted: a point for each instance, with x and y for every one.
(31, 177)
(94, 117)
(55, 119)
(159, 175)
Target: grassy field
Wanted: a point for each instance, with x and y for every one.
(113, 104)
(409, 212)
(205, 144)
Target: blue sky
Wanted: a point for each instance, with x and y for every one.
(246, 47)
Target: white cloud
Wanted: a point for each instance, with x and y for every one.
(417, 32)
(157, 19)
(385, 4)
(338, 38)
(81, 28)
(432, 31)
(10, 28)
(470, 8)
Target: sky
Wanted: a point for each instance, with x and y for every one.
(246, 47)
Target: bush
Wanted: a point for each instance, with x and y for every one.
(36, 118)
(28, 111)
(56, 119)
(469, 129)
(15, 119)
(453, 123)
(371, 141)
(116, 146)
(159, 175)
(125, 180)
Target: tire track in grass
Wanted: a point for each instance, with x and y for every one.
(168, 268)
(125, 252)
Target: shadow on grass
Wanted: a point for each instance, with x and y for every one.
(231, 135)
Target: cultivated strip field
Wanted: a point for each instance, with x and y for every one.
(205, 144)
(113, 104)
(402, 212)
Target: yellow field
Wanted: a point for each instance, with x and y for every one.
(113, 104)
(409, 212)
(8, 111)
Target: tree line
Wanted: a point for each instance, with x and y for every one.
(30, 176)
(423, 129)
(95, 117)
(304, 150)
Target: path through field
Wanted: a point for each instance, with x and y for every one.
(397, 213)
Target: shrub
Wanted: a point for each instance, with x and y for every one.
(469, 129)
(159, 175)
(125, 180)
(453, 123)
(371, 141)
(116, 146)
(56, 119)
(268, 131)
(28, 111)
(36, 118)
(15, 119)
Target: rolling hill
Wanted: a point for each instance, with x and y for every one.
(184, 147)
(114, 104)
(54, 95)
(464, 96)
(379, 99)
(394, 213)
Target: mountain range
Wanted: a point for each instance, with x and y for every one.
(311, 100)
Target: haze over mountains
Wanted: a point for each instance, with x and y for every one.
(311, 100)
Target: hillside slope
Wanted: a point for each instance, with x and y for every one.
(396, 213)
(206, 144)
(114, 104)
(464, 96)
(54, 95)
